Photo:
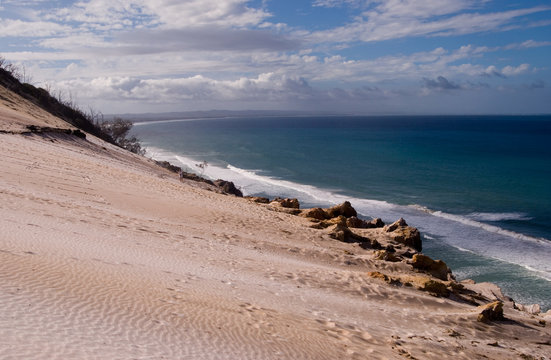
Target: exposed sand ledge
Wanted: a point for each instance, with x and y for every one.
(105, 255)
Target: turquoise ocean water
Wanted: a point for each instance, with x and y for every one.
(478, 188)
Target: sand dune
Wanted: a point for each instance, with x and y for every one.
(104, 255)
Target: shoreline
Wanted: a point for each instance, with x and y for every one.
(333, 198)
(105, 254)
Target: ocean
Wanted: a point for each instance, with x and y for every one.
(477, 187)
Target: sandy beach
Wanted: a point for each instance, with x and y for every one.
(105, 255)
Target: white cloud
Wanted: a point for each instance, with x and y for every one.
(511, 70)
(337, 3)
(264, 87)
(528, 44)
(168, 51)
(101, 15)
(20, 28)
(169, 14)
(178, 14)
(394, 19)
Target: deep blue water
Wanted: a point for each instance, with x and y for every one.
(479, 188)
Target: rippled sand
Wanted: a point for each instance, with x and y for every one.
(103, 255)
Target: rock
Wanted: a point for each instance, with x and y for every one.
(375, 223)
(435, 287)
(408, 253)
(354, 222)
(287, 203)
(342, 233)
(228, 187)
(404, 234)
(424, 283)
(79, 134)
(323, 224)
(395, 225)
(386, 256)
(533, 309)
(315, 213)
(436, 268)
(370, 244)
(378, 275)
(258, 199)
(408, 236)
(491, 312)
(345, 209)
(339, 220)
(169, 166)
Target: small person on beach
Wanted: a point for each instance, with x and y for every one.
(181, 175)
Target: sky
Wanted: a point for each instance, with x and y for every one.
(346, 56)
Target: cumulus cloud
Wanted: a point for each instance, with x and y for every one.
(512, 70)
(265, 87)
(506, 71)
(167, 51)
(493, 71)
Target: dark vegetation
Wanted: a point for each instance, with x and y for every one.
(17, 80)
(118, 130)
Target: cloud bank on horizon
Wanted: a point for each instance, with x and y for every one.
(352, 56)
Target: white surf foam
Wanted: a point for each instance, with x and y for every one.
(495, 217)
(153, 122)
(462, 232)
(490, 228)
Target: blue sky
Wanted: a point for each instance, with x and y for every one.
(353, 56)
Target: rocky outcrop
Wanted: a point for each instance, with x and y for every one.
(354, 222)
(422, 283)
(314, 213)
(340, 219)
(380, 276)
(341, 232)
(386, 256)
(228, 187)
(436, 268)
(431, 286)
(258, 199)
(491, 312)
(168, 166)
(345, 209)
(395, 225)
(400, 232)
(287, 203)
(375, 223)
(533, 309)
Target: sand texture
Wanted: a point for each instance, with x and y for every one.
(104, 255)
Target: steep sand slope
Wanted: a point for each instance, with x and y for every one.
(17, 113)
(103, 255)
